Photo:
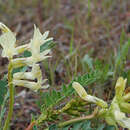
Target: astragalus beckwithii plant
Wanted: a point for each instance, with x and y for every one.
(114, 113)
(32, 80)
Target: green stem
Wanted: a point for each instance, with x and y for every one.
(11, 97)
(93, 115)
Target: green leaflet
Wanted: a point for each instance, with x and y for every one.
(121, 57)
(53, 97)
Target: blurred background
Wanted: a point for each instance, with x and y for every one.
(82, 29)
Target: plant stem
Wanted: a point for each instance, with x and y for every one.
(30, 127)
(11, 97)
(79, 119)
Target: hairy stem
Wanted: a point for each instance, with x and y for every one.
(79, 119)
(11, 97)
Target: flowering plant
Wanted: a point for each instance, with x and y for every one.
(119, 106)
(114, 113)
(25, 79)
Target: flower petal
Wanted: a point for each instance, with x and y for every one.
(28, 84)
(122, 119)
(4, 28)
(83, 94)
(120, 87)
(22, 48)
(80, 90)
(7, 41)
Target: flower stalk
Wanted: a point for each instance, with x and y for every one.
(11, 97)
(32, 80)
(88, 117)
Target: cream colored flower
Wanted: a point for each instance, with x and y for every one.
(7, 41)
(22, 48)
(36, 42)
(120, 87)
(19, 62)
(115, 113)
(35, 73)
(4, 28)
(83, 94)
(80, 90)
(34, 48)
(23, 78)
(121, 119)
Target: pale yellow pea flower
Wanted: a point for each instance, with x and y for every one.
(115, 113)
(83, 94)
(23, 79)
(4, 28)
(36, 42)
(34, 47)
(7, 41)
(120, 87)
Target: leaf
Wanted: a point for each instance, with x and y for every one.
(101, 127)
(77, 126)
(47, 45)
(27, 54)
(43, 47)
(64, 89)
(20, 69)
(66, 128)
(87, 125)
(89, 78)
(53, 127)
(49, 100)
(109, 128)
(35, 127)
(121, 57)
(53, 97)
(124, 50)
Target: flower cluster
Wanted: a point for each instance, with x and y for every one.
(119, 106)
(8, 43)
(83, 94)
